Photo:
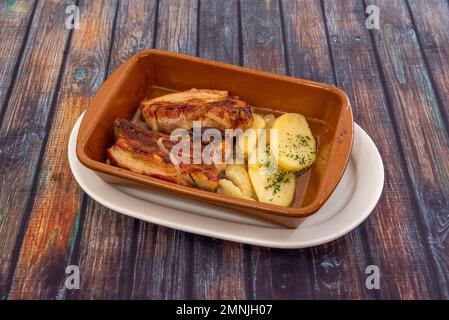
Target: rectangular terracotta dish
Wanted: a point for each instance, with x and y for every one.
(151, 73)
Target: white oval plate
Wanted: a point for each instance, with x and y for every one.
(351, 203)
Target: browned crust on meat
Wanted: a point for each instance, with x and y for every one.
(215, 109)
(140, 150)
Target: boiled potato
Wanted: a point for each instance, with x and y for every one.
(230, 189)
(239, 176)
(259, 122)
(297, 146)
(268, 119)
(248, 141)
(275, 188)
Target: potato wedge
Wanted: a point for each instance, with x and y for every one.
(268, 119)
(239, 176)
(297, 146)
(226, 187)
(275, 188)
(248, 141)
(259, 122)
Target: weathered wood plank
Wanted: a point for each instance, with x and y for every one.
(308, 55)
(24, 126)
(262, 36)
(419, 123)
(163, 263)
(177, 26)
(218, 266)
(272, 274)
(337, 267)
(134, 30)
(358, 75)
(105, 254)
(219, 30)
(15, 19)
(431, 20)
(54, 217)
(106, 247)
(394, 243)
(163, 256)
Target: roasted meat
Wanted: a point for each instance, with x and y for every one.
(215, 109)
(148, 152)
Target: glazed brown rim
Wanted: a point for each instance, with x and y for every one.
(333, 172)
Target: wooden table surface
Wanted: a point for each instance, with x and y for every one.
(397, 79)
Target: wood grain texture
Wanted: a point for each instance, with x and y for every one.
(272, 273)
(164, 256)
(106, 248)
(105, 254)
(262, 42)
(15, 20)
(338, 267)
(219, 30)
(177, 26)
(134, 30)
(397, 81)
(420, 126)
(24, 126)
(431, 22)
(218, 266)
(162, 265)
(54, 217)
(306, 49)
(394, 242)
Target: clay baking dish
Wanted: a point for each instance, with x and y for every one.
(153, 72)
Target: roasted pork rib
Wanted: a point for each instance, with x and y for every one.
(148, 152)
(215, 109)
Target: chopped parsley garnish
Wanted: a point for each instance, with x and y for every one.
(277, 180)
(303, 140)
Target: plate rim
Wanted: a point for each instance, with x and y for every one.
(376, 194)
